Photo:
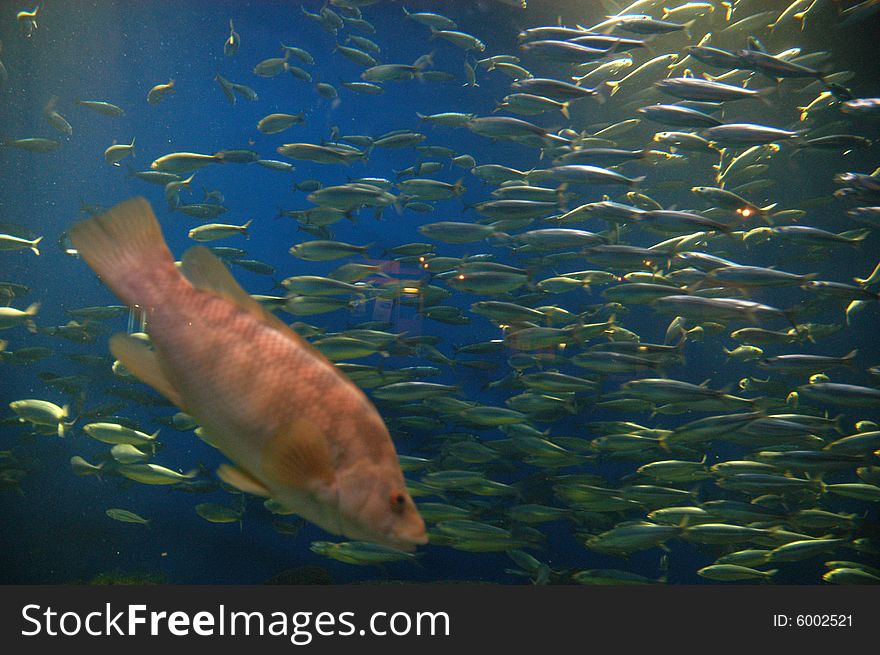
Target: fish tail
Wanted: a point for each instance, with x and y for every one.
(500, 238)
(425, 61)
(856, 235)
(873, 277)
(125, 247)
(34, 246)
(764, 95)
(663, 442)
(564, 109)
(561, 201)
(64, 426)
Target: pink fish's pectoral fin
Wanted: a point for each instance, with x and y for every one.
(137, 357)
(299, 456)
(242, 481)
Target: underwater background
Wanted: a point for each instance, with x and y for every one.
(53, 526)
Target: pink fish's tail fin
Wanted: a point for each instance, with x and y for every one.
(125, 247)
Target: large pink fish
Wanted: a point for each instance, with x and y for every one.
(296, 428)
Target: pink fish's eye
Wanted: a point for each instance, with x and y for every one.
(398, 502)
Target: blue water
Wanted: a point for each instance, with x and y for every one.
(56, 531)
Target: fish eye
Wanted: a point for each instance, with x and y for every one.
(398, 502)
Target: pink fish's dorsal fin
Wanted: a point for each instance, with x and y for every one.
(241, 480)
(207, 272)
(299, 456)
(137, 357)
